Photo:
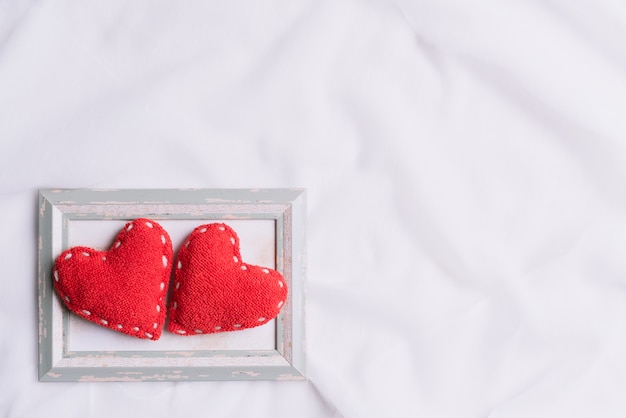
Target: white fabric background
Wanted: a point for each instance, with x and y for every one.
(465, 164)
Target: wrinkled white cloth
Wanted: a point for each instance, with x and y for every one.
(465, 165)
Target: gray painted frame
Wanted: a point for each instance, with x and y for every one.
(286, 362)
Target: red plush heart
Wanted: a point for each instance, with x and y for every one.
(123, 288)
(216, 291)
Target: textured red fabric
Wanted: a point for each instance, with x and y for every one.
(215, 291)
(123, 288)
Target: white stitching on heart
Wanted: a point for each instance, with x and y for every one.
(217, 328)
(198, 331)
(232, 240)
(280, 283)
(266, 271)
(243, 267)
(180, 331)
(235, 259)
(280, 304)
(261, 319)
(237, 326)
(180, 265)
(203, 230)
(177, 285)
(56, 276)
(117, 245)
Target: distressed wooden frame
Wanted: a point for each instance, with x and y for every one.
(286, 362)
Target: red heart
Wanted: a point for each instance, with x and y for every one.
(216, 291)
(123, 288)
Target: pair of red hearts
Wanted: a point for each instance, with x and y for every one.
(125, 288)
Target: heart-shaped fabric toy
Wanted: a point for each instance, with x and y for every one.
(123, 288)
(215, 291)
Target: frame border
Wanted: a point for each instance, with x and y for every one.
(59, 206)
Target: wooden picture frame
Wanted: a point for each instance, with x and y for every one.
(60, 210)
